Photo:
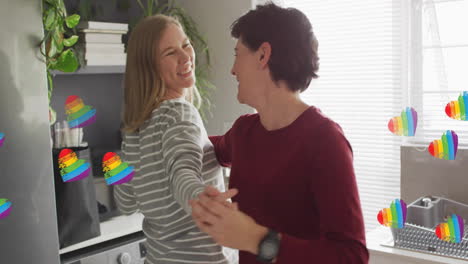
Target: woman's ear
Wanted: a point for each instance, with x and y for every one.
(265, 54)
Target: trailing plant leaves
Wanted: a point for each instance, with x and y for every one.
(57, 57)
(67, 61)
(51, 84)
(59, 44)
(51, 64)
(72, 20)
(52, 49)
(58, 40)
(50, 18)
(52, 115)
(70, 41)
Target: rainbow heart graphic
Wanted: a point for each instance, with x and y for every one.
(72, 168)
(452, 231)
(446, 147)
(458, 110)
(5, 208)
(79, 114)
(405, 124)
(116, 171)
(395, 216)
(2, 139)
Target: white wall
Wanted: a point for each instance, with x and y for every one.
(214, 18)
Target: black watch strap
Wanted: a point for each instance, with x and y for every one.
(269, 247)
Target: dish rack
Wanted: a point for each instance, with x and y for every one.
(423, 216)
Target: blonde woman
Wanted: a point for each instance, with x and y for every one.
(165, 140)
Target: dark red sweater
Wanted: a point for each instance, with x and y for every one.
(298, 180)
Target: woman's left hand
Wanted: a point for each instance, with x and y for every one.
(227, 225)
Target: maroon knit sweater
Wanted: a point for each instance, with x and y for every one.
(298, 180)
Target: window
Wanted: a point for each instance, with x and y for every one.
(439, 59)
(361, 86)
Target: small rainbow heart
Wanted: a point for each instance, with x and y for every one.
(5, 208)
(446, 147)
(405, 124)
(72, 168)
(395, 216)
(116, 171)
(452, 231)
(2, 139)
(79, 114)
(458, 110)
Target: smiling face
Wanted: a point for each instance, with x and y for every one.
(176, 60)
(247, 70)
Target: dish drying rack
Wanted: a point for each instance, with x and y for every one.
(423, 216)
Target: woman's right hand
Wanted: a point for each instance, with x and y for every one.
(227, 225)
(222, 197)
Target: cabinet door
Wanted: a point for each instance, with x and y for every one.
(29, 233)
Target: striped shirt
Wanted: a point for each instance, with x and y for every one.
(173, 160)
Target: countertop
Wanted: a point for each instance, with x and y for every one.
(387, 255)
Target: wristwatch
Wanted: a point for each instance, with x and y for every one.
(269, 247)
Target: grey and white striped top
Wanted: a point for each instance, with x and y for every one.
(173, 160)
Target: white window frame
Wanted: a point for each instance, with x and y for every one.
(413, 86)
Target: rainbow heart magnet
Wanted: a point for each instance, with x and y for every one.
(5, 208)
(395, 216)
(452, 231)
(72, 168)
(79, 114)
(446, 147)
(405, 124)
(458, 110)
(2, 139)
(116, 171)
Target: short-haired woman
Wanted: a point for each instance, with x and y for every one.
(298, 200)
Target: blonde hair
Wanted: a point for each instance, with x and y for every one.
(144, 89)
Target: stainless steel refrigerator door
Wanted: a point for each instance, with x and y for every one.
(29, 234)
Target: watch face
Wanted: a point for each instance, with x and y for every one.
(269, 249)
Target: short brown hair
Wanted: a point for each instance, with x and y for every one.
(294, 57)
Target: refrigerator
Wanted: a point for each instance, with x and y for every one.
(29, 233)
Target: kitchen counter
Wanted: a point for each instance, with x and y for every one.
(387, 255)
(113, 228)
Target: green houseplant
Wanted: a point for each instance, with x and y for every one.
(57, 44)
(203, 62)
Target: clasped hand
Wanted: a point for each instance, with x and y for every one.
(224, 222)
